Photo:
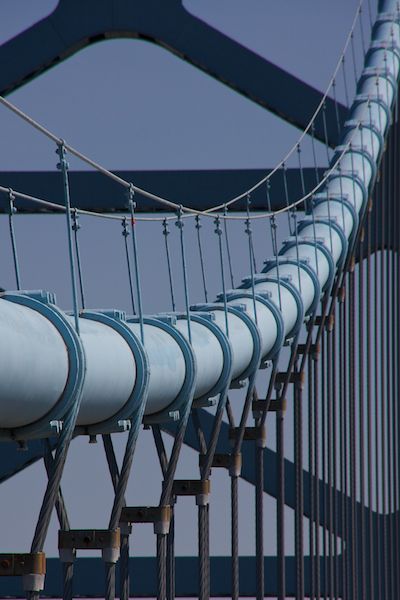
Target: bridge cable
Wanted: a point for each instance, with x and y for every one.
(75, 228)
(166, 233)
(125, 234)
(200, 247)
(11, 212)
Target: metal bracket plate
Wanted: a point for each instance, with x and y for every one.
(22, 564)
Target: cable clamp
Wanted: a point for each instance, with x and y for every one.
(57, 426)
(193, 487)
(160, 516)
(293, 377)
(251, 434)
(274, 405)
(124, 424)
(352, 264)
(106, 540)
(327, 321)
(31, 566)
(312, 349)
(233, 462)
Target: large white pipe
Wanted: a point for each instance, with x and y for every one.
(34, 359)
(33, 365)
(110, 372)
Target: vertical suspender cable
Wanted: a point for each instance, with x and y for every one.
(361, 420)
(11, 211)
(132, 206)
(299, 507)
(199, 244)
(311, 529)
(125, 234)
(63, 167)
(378, 572)
(75, 228)
(280, 498)
(166, 233)
(228, 247)
(179, 223)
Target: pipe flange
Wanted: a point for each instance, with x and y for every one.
(224, 378)
(353, 178)
(285, 282)
(381, 45)
(185, 394)
(385, 17)
(314, 244)
(330, 222)
(369, 72)
(134, 406)
(361, 99)
(356, 149)
(322, 198)
(270, 264)
(237, 295)
(239, 311)
(42, 302)
(363, 124)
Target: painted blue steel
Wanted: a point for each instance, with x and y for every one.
(270, 264)
(42, 303)
(207, 321)
(314, 244)
(333, 225)
(134, 406)
(74, 25)
(263, 299)
(239, 311)
(178, 406)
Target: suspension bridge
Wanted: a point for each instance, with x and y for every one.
(307, 343)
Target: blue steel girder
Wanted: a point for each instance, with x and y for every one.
(74, 25)
(15, 461)
(199, 189)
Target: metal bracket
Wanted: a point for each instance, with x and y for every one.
(313, 349)
(160, 516)
(352, 264)
(251, 434)
(329, 322)
(13, 565)
(233, 462)
(294, 377)
(278, 405)
(31, 566)
(192, 487)
(106, 540)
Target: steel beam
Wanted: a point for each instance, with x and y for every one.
(74, 25)
(89, 577)
(200, 189)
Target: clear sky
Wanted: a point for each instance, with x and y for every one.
(131, 105)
